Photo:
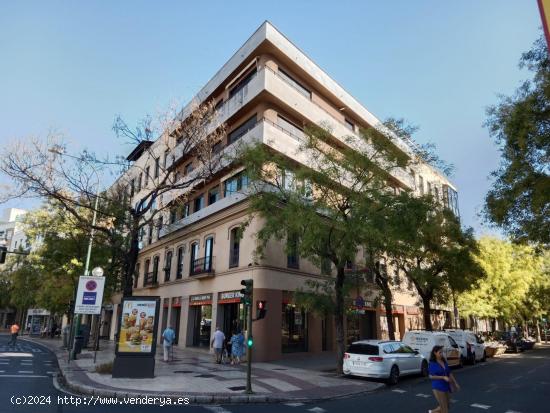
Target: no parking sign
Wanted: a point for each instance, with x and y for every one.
(90, 295)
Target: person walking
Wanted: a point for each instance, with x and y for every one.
(168, 340)
(14, 330)
(217, 342)
(237, 341)
(442, 378)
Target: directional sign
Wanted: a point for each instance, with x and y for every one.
(90, 295)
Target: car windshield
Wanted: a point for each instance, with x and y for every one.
(367, 349)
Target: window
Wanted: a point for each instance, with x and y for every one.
(199, 203)
(213, 195)
(173, 215)
(139, 182)
(293, 261)
(165, 162)
(177, 176)
(242, 83)
(194, 255)
(161, 223)
(234, 247)
(294, 83)
(132, 187)
(421, 184)
(208, 249)
(242, 129)
(168, 266)
(184, 210)
(147, 172)
(235, 183)
(179, 268)
(150, 234)
(429, 185)
(217, 148)
(436, 193)
(364, 349)
(219, 104)
(188, 168)
(136, 275)
(157, 167)
(289, 180)
(155, 269)
(349, 124)
(146, 272)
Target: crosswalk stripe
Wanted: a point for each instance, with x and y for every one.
(23, 376)
(217, 409)
(399, 391)
(317, 410)
(512, 411)
(480, 406)
(423, 395)
(296, 404)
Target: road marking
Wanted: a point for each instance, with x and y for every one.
(516, 378)
(297, 404)
(423, 395)
(16, 355)
(50, 372)
(25, 371)
(454, 401)
(399, 391)
(511, 411)
(480, 406)
(317, 410)
(216, 409)
(19, 376)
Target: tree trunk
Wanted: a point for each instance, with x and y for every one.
(130, 264)
(386, 292)
(427, 312)
(537, 329)
(339, 315)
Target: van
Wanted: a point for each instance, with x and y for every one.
(424, 341)
(471, 346)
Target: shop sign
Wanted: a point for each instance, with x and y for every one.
(228, 297)
(38, 311)
(200, 299)
(298, 318)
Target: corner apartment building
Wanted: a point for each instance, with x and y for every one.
(266, 92)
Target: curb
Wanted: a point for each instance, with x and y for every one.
(65, 382)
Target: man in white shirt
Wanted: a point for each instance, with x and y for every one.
(217, 342)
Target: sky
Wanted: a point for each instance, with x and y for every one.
(73, 66)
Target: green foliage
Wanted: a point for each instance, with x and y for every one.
(516, 286)
(519, 199)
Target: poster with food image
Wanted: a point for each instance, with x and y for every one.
(137, 326)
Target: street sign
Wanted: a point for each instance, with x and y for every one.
(89, 296)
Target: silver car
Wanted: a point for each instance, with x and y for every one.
(383, 359)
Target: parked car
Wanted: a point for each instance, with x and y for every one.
(513, 342)
(424, 341)
(471, 346)
(383, 359)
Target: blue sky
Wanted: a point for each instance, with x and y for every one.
(72, 66)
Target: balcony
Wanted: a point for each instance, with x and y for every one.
(202, 267)
(150, 280)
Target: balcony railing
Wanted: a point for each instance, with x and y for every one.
(234, 258)
(202, 266)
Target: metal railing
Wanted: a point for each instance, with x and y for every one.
(202, 265)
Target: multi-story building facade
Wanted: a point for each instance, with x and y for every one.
(266, 92)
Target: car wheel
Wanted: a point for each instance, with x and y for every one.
(394, 376)
(424, 368)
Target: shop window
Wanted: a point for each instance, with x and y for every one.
(234, 247)
(294, 329)
(168, 266)
(179, 268)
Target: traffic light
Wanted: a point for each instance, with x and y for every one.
(260, 310)
(246, 292)
(3, 252)
(250, 342)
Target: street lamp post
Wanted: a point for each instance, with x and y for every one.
(76, 318)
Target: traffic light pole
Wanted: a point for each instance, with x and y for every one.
(249, 349)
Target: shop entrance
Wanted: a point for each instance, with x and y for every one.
(294, 329)
(230, 312)
(361, 326)
(200, 320)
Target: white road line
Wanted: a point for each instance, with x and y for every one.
(423, 395)
(297, 404)
(399, 391)
(317, 410)
(50, 372)
(19, 376)
(516, 378)
(511, 411)
(480, 406)
(216, 409)
(2, 371)
(25, 371)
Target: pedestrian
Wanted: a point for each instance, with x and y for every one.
(28, 329)
(44, 332)
(442, 379)
(217, 342)
(169, 336)
(53, 330)
(237, 342)
(14, 333)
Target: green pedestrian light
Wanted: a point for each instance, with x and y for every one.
(249, 342)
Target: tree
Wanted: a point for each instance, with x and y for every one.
(36, 170)
(519, 201)
(433, 251)
(327, 208)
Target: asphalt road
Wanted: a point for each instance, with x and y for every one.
(511, 384)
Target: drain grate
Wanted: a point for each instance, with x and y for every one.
(184, 371)
(205, 375)
(237, 388)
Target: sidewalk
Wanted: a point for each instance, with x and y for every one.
(195, 375)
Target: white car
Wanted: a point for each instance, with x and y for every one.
(424, 341)
(471, 346)
(383, 359)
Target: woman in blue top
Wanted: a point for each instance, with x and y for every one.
(237, 341)
(441, 377)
